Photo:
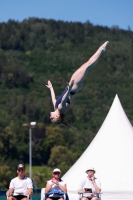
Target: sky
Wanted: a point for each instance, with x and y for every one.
(99, 12)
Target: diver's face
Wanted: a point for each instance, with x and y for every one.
(54, 117)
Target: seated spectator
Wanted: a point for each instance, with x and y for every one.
(20, 187)
(90, 186)
(55, 188)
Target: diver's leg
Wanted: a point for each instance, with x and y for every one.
(81, 73)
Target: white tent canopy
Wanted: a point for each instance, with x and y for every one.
(111, 154)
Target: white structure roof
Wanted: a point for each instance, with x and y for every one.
(110, 153)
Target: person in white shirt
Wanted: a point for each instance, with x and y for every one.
(56, 187)
(21, 187)
(90, 186)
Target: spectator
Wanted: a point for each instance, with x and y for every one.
(90, 186)
(21, 187)
(55, 188)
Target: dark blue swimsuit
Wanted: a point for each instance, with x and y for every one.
(58, 101)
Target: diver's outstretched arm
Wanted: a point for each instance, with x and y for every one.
(52, 92)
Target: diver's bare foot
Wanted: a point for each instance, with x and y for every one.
(103, 47)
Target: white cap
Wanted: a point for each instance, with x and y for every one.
(20, 166)
(56, 170)
(90, 168)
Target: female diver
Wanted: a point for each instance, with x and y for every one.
(62, 104)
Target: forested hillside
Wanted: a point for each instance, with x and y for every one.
(37, 50)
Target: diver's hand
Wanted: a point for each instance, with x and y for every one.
(49, 85)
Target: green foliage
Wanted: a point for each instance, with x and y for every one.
(41, 174)
(65, 158)
(5, 176)
(37, 50)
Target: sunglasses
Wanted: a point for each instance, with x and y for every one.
(21, 169)
(56, 173)
(90, 171)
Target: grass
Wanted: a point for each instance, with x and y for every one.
(40, 174)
